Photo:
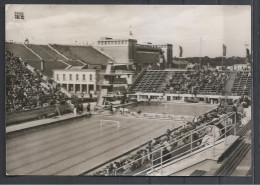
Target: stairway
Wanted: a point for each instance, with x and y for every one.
(230, 82)
(230, 164)
(242, 131)
(198, 173)
(167, 80)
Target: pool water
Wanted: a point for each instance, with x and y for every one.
(172, 108)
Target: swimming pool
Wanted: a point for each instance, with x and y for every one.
(189, 109)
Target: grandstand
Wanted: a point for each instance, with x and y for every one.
(180, 150)
(224, 125)
(21, 51)
(26, 89)
(86, 54)
(242, 84)
(192, 82)
(151, 81)
(45, 52)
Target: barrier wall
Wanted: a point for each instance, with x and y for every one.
(21, 116)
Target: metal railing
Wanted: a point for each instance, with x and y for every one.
(156, 159)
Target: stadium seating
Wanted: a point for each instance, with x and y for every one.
(22, 52)
(150, 81)
(45, 52)
(139, 162)
(229, 150)
(86, 54)
(242, 131)
(230, 164)
(24, 90)
(180, 82)
(242, 84)
(73, 62)
(198, 173)
(50, 65)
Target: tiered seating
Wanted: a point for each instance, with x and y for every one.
(230, 164)
(86, 54)
(45, 52)
(242, 131)
(215, 86)
(180, 82)
(50, 65)
(229, 151)
(150, 81)
(20, 51)
(175, 85)
(174, 144)
(24, 90)
(198, 173)
(73, 62)
(242, 84)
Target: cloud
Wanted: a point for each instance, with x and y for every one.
(179, 25)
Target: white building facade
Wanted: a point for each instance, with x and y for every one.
(78, 81)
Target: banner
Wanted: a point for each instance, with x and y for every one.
(181, 51)
(247, 53)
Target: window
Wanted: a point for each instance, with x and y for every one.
(64, 77)
(77, 76)
(57, 77)
(90, 77)
(70, 76)
(83, 77)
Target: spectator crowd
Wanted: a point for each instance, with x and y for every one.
(195, 81)
(24, 90)
(174, 143)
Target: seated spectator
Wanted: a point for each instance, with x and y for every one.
(23, 88)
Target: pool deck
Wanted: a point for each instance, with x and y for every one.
(75, 147)
(41, 122)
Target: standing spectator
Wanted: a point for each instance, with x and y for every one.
(88, 107)
(111, 108)
(57, 107)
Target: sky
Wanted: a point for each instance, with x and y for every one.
(200, 30)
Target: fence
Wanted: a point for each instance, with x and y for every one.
(156, 160)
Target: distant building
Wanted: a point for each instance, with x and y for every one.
(180, 64)
(121, 50)
(78, 81)
(137, 56)
(239, 67)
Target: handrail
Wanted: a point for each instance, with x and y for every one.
(174, 157)
(181, 138)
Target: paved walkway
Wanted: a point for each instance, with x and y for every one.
(41, 122)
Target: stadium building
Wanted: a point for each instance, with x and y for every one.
(145, 119)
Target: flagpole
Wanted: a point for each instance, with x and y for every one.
(222, 61)
(224, 50)
(200, 52)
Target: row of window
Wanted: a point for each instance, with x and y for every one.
(111, 42)
(64, 77)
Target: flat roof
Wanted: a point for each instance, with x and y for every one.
(76, 70)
